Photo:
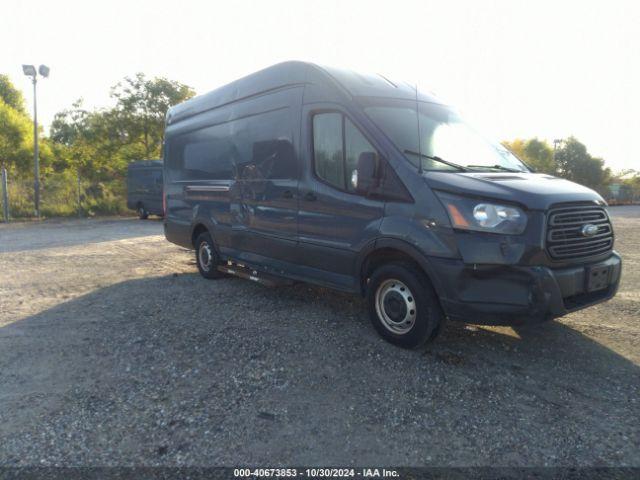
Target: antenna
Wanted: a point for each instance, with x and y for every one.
(419, 139)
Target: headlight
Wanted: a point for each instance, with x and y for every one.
(470, 214)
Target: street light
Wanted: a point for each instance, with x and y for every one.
(30, 71)
(556, 143)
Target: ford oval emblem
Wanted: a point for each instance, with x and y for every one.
(589, 230)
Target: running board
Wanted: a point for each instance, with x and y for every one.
(248, 273)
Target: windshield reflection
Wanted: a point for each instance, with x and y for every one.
(443, 135)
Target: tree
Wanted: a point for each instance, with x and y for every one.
(69, 125)
(15, 137)
(16, 131)
(11, 95)
(87, 151)
(99, 144)
(89, 143)
(535, 153)
(632, 182)
(141, 106)
(575, 164)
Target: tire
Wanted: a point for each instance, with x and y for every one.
(206, 257)
(403, 306)
(142, 212)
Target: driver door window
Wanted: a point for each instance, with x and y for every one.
(337, 145)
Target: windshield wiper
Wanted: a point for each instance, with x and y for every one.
(437, 159)
(497, 167)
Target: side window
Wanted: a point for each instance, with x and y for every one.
(355, 144)
(337, 145)
(258, 147)
(204, 154)
(209, 157)
(266, 147)
(327, 148)
(273, 159)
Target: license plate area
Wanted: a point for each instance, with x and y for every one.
(598, 277)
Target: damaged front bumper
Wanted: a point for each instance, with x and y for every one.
(511, 294)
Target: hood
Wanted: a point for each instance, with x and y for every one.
(534, 191)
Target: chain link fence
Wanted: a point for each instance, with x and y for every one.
(622, 194)
(64, 195)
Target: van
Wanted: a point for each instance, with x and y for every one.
(144, 187)
(362, 184)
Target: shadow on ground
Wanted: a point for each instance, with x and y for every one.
(179, 370)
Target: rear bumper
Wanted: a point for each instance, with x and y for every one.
(177, 232)
(511, 295)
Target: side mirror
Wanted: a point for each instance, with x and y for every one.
(365, 177)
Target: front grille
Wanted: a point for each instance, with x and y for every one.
(565, 239)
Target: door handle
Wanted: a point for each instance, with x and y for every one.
(287, 194)
(310, 196)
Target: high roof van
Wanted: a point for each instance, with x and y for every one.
(362, 184)
(144, 187)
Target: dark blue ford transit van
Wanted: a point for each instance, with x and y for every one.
(359, 183)
(144, 187)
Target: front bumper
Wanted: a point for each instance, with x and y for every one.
(512, 295)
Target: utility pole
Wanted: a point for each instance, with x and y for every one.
(79, 196)
(30, 71)
(36, 151)
(5, 195)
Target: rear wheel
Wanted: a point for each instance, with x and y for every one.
(142, 212)
(403, 306)
(207, 257)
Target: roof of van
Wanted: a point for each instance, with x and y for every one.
(298, 73)
(145, 163)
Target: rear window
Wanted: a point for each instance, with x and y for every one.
(144, 176)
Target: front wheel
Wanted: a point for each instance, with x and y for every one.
(403, 306)
(207, 257)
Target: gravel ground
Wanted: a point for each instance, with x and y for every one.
(114, 351)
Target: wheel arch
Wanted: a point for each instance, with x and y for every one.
(387, 250)
(197, 229)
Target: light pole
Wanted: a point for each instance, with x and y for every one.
(556, 144)
(30, 71)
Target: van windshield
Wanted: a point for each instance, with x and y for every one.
(443, 135)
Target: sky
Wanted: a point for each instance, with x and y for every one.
(548, 69)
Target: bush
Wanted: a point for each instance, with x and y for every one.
(105, 198)
(62, 196)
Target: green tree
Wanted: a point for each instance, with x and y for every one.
(576, 164)
(11, 95)
(633, 184)
(89, 143)
(535, 153)
(69, 125)
(96, 146)
(141, 106)
(16, 135)
(16, 131)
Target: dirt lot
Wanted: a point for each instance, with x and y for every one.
(113, 351)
